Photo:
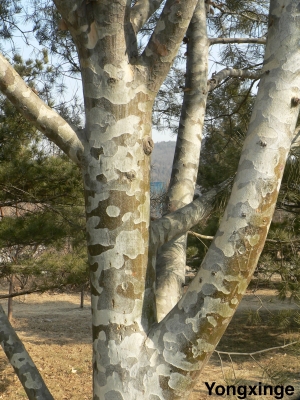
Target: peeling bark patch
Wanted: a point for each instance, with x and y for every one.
(130, 243)
(113, 211)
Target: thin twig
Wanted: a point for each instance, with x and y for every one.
(198, 235)
(256, 352)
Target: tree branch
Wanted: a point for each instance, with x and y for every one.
(231, 73)
(166, 38)
(30, 291)
(261, 40)
(187, 336)
(36, 111)
(142, 11)
(256, 352)
(21, 361)
(220, 7)
(171, 257)
(23, 292)
(198, 235)
(178, 222)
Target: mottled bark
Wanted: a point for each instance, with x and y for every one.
(142, 11)
(222, 40)
(189, 334)
(35, 110)
(217, 78)
(176, 223)
(119, 90)
(23, 365)
(163, 45)
(134, 359)
(171, 258)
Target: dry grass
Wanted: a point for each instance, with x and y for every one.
(57, 334)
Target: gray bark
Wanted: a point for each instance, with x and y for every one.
(34, 109)
(171, 258)
(189, 334)
(134, 359)
(217, 78)
(22, 363)
(261, 40)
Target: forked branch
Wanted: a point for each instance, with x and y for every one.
(142, 11)
(166, 38)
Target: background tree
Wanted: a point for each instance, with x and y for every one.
(133, 355)
(41, 202)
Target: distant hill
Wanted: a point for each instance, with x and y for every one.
(161, 161)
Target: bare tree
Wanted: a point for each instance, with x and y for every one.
(134, 356)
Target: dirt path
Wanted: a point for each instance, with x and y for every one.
(57, 334)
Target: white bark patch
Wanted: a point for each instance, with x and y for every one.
(179, 381)
(126, 216)
(231, 225)
(211, 306)
(114, 382)
(144, 106)
(63, 130)
(123, 71)
(212, 320)
(143, 209)
(20, 359)
(113, 211)
(178, 359)
(27, 93)
(109, 30)
(163, 370)
(92, 36)
(115, 128)
(130, 347)
(206, 277)
(253, 240)
(112, 91)
(130, 243)
(102, 336)
(108, 259)
(125, 317)
(30, 383)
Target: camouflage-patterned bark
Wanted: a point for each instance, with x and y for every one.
(21, 361)
(171, 258)
(133, 357)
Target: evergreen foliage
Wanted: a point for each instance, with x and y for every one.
(42, 235)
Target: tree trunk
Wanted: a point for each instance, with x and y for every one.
(171, 257)
(134, 357)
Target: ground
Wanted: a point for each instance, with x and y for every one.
(57, 334)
